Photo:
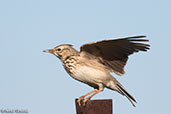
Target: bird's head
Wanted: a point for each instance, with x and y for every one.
(62, 51)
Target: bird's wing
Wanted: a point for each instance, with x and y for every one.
(114, 53)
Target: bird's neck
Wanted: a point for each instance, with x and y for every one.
(68, 54)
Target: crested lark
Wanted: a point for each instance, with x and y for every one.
(93, 64)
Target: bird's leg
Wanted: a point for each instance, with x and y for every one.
(82, 97)
(96, 92)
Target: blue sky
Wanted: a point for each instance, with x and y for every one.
(36, 81)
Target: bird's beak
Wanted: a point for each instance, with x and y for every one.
(48, 51)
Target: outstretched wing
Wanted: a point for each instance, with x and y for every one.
(114, 53)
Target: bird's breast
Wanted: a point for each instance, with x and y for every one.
(88, 74)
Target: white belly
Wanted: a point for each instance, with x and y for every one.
(89, 75)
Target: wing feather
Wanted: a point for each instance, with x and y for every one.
(114, 53)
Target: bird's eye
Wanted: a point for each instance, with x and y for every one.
(59, 49)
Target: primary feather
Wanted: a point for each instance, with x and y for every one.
(114, 53)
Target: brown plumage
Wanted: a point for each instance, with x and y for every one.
(114, 53)
(93, 64)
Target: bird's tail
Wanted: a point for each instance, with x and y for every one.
(119, 88)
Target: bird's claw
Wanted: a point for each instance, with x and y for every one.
(80, 100)
(84, 101)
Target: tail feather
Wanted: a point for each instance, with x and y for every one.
(115, 85)
(124, 92)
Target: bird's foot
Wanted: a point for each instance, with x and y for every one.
(80, 99)
(85, 101)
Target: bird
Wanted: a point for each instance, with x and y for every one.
(95, 62)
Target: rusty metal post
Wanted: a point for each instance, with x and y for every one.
(102, 106)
